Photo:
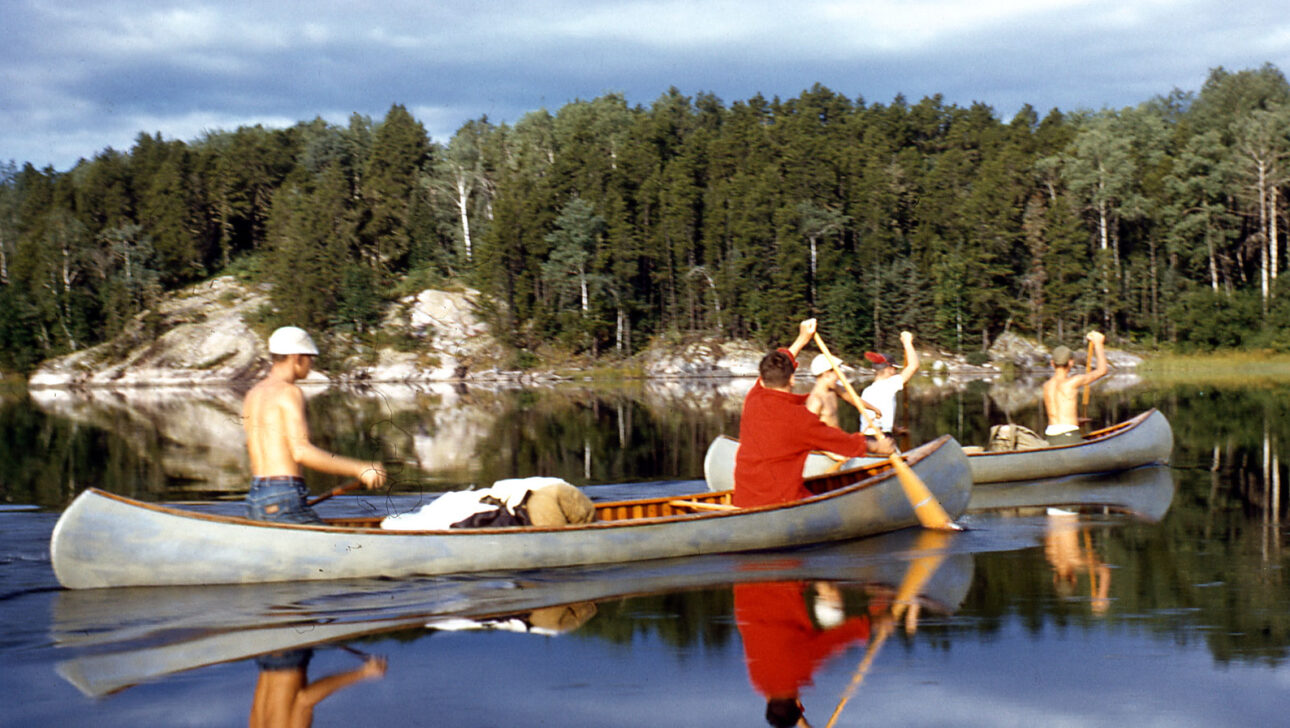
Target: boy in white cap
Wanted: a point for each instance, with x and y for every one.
(277, 436)
(823, 398)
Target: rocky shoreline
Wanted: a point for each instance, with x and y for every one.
(201, 336)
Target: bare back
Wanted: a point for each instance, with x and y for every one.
(273, 415)
(1061, 398)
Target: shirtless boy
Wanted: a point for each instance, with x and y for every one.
(277, 437)
(1061, 390)
(822, 400)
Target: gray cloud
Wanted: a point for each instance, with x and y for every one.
(77, 79)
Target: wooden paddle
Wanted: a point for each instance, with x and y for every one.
(1088, 366)
(929, 511)
(347, 487)
(920, 572)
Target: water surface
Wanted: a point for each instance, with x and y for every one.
(1171, 614)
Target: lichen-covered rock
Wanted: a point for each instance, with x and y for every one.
(198, 336)
(705, 358)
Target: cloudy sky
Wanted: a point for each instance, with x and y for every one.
(77, 77)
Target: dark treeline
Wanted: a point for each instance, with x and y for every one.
(604, 225)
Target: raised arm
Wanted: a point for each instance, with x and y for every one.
(911, 357)
(1098, 339)
(805, 331)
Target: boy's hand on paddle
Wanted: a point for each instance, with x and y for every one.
(806, 329)
(1097, 337)
(373, 476)
(906, 338)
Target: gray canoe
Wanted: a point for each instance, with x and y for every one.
(105, 540)
(1146, 439)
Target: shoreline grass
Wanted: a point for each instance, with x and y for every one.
(1216, 367)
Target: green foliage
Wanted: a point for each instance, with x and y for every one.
(605, 224)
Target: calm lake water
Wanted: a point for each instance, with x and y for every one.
(1165, 605)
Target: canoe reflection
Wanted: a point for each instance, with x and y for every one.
(1144, 493)
(116, 638)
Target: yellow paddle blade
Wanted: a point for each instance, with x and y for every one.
(928, 510)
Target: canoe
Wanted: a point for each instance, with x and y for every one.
(105, 540)
(1145, 439)
(112, 639)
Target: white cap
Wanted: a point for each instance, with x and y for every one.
(291, 340)
(820, 364)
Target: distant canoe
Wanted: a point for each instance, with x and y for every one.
(1146, 439)
(105, 540)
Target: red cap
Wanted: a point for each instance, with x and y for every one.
(790, 356)
(878, 359)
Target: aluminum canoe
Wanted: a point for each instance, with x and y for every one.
(105, 540)
(1146, 439)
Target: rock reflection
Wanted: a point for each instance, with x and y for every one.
(454, 434)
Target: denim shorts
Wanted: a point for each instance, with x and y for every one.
(280, 498)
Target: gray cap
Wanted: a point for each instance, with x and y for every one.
(1062, 356)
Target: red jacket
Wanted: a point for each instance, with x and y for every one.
(782, 647)
(776, 433)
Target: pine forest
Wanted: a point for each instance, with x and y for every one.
(603, 226)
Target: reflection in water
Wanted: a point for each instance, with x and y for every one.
(784, 647)
(122, 637)
(549, 621)
(284, 697)
(1069, 557)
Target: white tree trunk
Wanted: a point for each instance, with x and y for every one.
(464, 189)
(1263, 227)
(1273, 251)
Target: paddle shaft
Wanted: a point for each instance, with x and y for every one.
(920, 572)
(1088, 367)
(929, 511)
(347, 487)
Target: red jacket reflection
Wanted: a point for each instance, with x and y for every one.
(782, 647)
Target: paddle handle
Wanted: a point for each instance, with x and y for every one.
(347, 487)
(1088, 366)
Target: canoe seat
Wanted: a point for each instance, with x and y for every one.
(699, 506)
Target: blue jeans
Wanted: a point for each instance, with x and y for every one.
(281, 498)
